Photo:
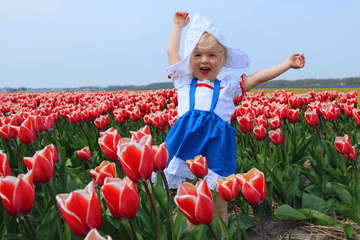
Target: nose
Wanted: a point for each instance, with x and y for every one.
(204, 59)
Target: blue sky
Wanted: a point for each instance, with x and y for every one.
(63, 43)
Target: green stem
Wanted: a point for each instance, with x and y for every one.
(30, 227)
(282, 149)
(61, 176)
(154, 209)
(17, 152)
(322, 158)
(212, 231)
(122, 174)
(56, 208)
(269, 150)
(257, 160)
(169, 203)
(32, 147)
(44, 139)
(262, 223)
(57, 142)
(237, 219)
(21, 229)
(133, 229)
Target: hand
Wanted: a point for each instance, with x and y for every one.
(296, 60)
(181, 18)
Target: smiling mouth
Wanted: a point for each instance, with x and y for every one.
(205, 71)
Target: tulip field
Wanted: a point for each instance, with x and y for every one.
(77, 165)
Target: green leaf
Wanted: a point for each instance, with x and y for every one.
(315, 202)
(224, 227)
(348, 230)
(74, 182)
(343, 194)
(319, 218)
(178, 224)
(196, 232)
(159, 194)
(345, 209)
(288, 213)
(245, 222)
(47, 223)
(67, 232)
(300, 153)
(144, 233)
(292, 185)
(144, 217)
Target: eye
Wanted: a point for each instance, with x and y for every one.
(197, 55)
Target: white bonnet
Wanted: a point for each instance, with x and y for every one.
(236, 59)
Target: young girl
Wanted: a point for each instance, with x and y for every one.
(205, 103)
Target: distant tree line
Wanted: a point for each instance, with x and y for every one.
(353, 81)
(152, 86)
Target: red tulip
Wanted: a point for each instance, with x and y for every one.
(102, 122)
(274, 122)
(312, 118)
(26, 132)
(122, 197)
(343, 145)
(228, 187)
(81, 210)
(253, 186)
(356, 115)
(108, 142)
(283, 112)
(5, 169)
(18, 194)
(293, 116)
(276, 136)
(198, 166)
(137, 159)
(330, 113)
(246, 123)
(84, 154)
(136, 136)
(6, 132)
(261, 120)
(105, 169)
(42, 164)
(348, 110)
(55, 153)
(95, 235)
(135, 115)
(259, 132)
(49, 123)
(38, 123)
(195, 202)
(161, 157)
(352, 155)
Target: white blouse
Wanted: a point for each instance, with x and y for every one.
(230, 88)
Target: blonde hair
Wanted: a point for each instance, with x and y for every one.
(214, 43)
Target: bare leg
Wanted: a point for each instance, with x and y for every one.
(222, 209)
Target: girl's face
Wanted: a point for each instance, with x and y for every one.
(207, 58)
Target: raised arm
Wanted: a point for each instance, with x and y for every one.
(295, 61)
(181, 19)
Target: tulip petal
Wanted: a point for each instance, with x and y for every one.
(94, 209)
(111, 192)
(251, 194)
(77, 226)
(258, 183)
(7, 188)
(187, 206)
(24, 197)
(129, 203)
(130, 158)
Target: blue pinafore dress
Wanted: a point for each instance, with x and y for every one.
(204, 133)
